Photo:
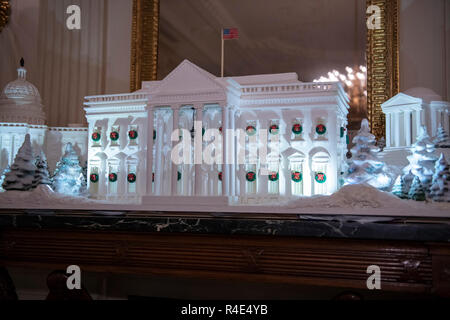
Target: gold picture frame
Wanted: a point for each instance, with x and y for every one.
(382, 54)
(382, 63)
(144, 42)
(5, 11)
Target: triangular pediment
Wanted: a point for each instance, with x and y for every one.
(401, 99)
(188, 78)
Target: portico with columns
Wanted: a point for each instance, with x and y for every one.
(407, 112)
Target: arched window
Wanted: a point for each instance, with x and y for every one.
(96, 137)
(296, 177)
(273, 181)
(132, 176)
(251, 179)
(97, 182)
(113, 176)
(319, 171)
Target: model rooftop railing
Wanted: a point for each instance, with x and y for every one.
(250, 89)
(116, 97)
(291, 88)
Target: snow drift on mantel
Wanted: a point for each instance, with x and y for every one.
(349, 200)
(358, 196)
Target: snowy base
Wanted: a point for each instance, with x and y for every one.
(184, 203)
(349, 200)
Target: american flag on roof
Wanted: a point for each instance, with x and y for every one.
(230, 33)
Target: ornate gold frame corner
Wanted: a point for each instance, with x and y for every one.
(5, 12)
(382, 63)
(144, 42)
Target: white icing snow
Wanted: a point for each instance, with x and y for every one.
(42, 196)
(349, 200)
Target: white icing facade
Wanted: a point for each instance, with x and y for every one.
(129, 148)
(405, 114)
(21, 113)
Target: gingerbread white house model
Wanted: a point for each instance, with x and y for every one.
(133, 138)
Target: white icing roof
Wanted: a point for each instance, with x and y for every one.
(426, 94)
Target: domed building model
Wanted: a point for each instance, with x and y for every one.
(20, 101)
(21, 113)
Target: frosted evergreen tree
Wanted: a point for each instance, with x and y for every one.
(422, 159)
(417, 191)
(68, 177)
(21, 175)
(442, 140)
(399, 188)
(2, 177)
(441, 180)
(41, 176)
(408, 180)
(364, 166)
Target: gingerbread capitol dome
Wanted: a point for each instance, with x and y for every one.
(20, 101)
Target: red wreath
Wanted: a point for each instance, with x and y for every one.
(320, 177)
(251, 130)
(274, 129)
(296, 176)
(96, 136)
(114, 135)
(250, 176)
(297, 128)
(93, 177)
(321, 129)
(273, 176)
(131, 178)
(133, 134)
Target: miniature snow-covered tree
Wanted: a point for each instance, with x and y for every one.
(21, 175)
(364, 166)
(422, 159)
(441, 180)
(68, 177)
(41, 176)
(442, 140)
(399, 188)
(407, 180)
(417, 191)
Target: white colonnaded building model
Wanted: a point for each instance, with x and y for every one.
(130, 143)
(406, 113)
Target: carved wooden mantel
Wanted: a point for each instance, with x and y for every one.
(414, 267)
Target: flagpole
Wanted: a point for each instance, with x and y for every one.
(223, 51)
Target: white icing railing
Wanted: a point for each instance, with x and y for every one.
(116, 97)
(84, 129)
(291, 88)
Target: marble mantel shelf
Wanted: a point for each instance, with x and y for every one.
(312, 226)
